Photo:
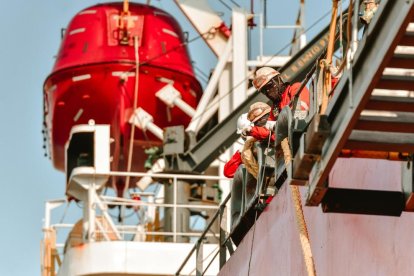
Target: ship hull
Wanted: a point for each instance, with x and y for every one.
(342, 244)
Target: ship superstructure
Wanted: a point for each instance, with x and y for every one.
(351, 154)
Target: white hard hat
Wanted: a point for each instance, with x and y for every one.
(242, 123)
(263, 76)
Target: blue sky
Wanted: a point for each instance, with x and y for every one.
(30, 32)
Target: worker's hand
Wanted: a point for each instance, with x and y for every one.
(260, 132)
(246, 132)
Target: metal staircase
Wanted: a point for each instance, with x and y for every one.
(372, 109)
(362, 117)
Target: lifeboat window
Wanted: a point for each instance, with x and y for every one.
(133, 23)
(80, 152)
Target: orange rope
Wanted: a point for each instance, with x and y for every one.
(327, 85)
(126, 6)
(124, 18)
(300, 217)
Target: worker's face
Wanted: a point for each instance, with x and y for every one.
(273, 90)
(262, 121)
(369, 6)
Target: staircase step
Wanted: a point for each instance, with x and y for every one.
(380, 141)
(391, 103)
(392, 122)
(402, 61)
(396, 82)
(364, 202)
(408, 39)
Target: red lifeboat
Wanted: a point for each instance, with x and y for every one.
(94, 77)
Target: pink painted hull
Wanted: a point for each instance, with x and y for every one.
(342, 244)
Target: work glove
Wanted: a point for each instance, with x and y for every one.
(246, 132)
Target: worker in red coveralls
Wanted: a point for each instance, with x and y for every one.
(231, 166)
(250, 124)
(261, 131)
(234, 169)
(269, 82)
(260, 115)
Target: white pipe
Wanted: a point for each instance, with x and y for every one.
(154, 129)
(158, 175)
(143, 120)
(185, 107)
(124, 201)
(211, 88)
(145, 181)
(172, 97)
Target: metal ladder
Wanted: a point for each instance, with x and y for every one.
(345, 126)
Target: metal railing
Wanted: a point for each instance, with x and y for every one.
(101, 226)
(103, 201)
(225, 242)
(198, 246)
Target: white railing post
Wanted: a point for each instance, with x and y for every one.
(175, 210)
(49, 206)
(239, 61)
(89, 215)
(261, 35)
